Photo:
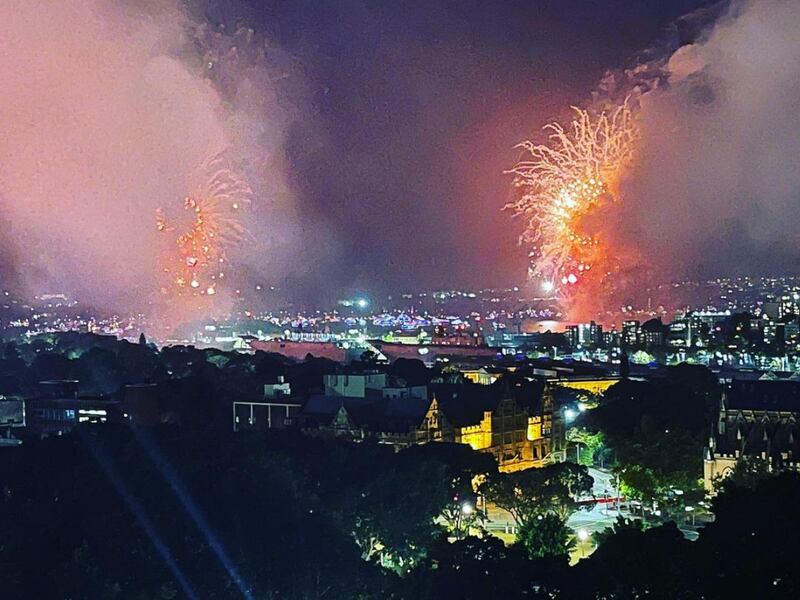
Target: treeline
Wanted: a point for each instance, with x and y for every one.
(117, 512)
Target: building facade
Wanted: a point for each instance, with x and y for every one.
(512, 419)
(757, 419)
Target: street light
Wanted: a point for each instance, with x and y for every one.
(467, 508)
(583, 535)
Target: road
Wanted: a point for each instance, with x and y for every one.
(600, 516)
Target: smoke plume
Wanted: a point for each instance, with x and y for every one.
(716, 189)
(107, 107)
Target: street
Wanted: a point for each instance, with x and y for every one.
(584, 522)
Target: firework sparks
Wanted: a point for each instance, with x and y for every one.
(564, 182)
(197, 250)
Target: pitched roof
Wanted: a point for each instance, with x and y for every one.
(372, 413)
(465, 403)
(780, 395)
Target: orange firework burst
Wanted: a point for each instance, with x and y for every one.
(564, 183)
(195, 257)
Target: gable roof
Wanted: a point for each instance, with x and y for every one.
(376, 414)
(464, 404)
(780, 395)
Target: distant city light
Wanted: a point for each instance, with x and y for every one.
(547, 286)
(362, 303)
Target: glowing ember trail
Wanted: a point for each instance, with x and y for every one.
(203, 232)
(564, 184)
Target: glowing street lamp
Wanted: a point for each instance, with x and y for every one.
(583, 535)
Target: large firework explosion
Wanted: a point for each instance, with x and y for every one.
(565, 185)
(201, 232)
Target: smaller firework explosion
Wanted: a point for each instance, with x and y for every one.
(201, 235)
(564, 184)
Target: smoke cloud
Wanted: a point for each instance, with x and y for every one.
(106, 109)
(716, 189)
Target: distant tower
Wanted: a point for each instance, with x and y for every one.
(142, 339)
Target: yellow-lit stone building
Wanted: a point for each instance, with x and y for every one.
(512, 419)
(591, 385)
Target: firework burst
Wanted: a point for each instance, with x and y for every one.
(200, 236)
(564, 183)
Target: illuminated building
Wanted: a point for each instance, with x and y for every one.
(512, 419)
(679, 332)
(653, 333)
(429, 352)
(12, 418)
(279, 388)
(584, 334)
(60, 408)
(791, 332)
(631, 333)
(592, 385)
(483, 375)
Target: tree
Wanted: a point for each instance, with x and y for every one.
(591, 444)
(620, 526)
(749, 551)
(480, 569)
(656, 430)
(546, 535)
(411, 370)
(748, 472)
(636, 563)
(465, 469)
(531, 493)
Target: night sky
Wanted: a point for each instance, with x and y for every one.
(414, 111)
